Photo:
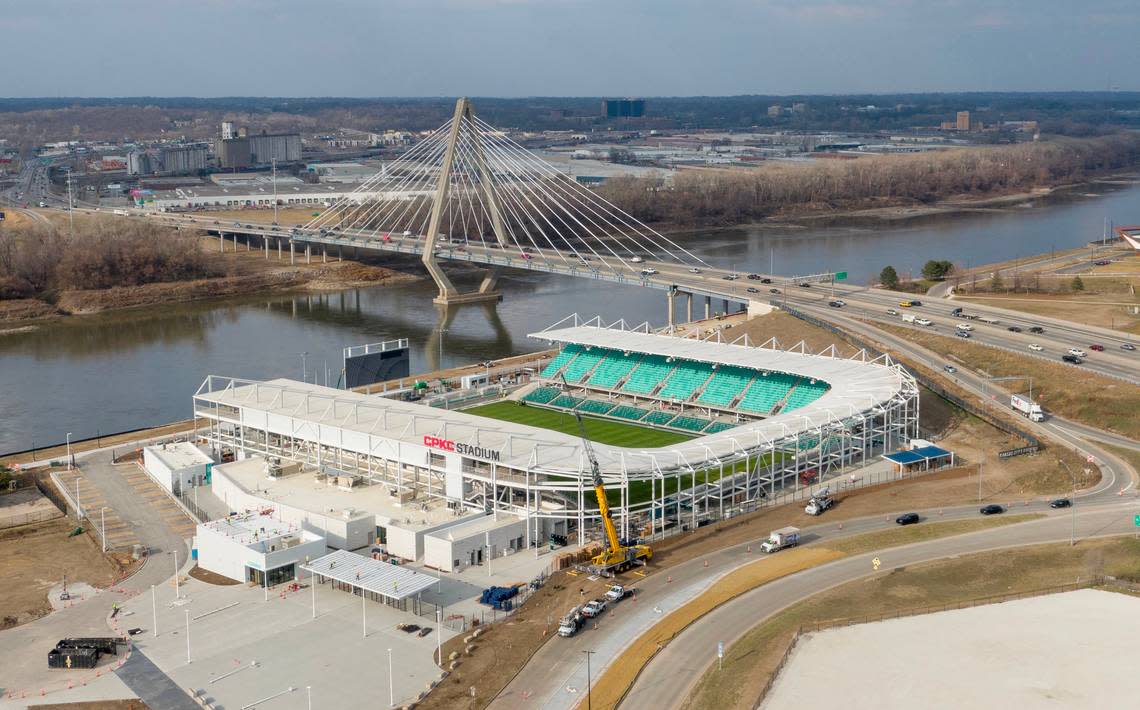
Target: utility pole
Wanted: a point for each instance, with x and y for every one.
(274, 163)
(70, 209)
(589, 695)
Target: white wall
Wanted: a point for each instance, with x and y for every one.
(339, 533)
(218, 553)
(451, 555)
(170, 479)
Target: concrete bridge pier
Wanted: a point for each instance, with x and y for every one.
(339, 252)
(248, 243)
(265, 243)
(235, 241)
(278, 240)
(308, 253)
(324, 254)
(708, 307)
(221, 242)
(688, 307)
(292, 253)
(672, 307)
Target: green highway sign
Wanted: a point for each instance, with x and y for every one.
(1138, 521)
(841, 276)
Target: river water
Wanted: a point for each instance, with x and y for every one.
(113, 372)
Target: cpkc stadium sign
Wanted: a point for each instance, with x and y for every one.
(435, 442)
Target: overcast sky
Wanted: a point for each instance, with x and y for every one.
(563, 47)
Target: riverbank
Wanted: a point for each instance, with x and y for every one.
(245, 273)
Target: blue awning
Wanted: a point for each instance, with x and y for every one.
(924, 453)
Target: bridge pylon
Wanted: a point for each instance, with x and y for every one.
(464, 120)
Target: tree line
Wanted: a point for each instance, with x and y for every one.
(735, 196)
(38, 261)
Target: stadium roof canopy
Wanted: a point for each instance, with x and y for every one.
(392, 581)
(356, 421)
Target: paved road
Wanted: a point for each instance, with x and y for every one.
(674, 672)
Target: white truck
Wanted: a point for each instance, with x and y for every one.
(908, 317)
(819, 502)
(779, 539)
(618, 592)
(571, 623)
(1027, 407)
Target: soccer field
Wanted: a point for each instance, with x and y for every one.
(602, 431)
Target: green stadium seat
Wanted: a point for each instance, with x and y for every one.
(717, 427)
(726, 385)
(613, 367)
(580, 366)
(647, 375)
(658, 418)
(685, 380)
(766, 392)
(624, 411)
(560, 360)
(542, 395)
(595, 406)
(689, 423)
(566, 402)
(804, 393)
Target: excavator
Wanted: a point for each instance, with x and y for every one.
(616, 557)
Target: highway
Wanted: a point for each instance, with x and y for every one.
(673, 673)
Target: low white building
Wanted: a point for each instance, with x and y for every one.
(177, 466)
(474, 541)
(256, 548)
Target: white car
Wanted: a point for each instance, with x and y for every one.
(892, 312)
(923, 321)
(648, 272)
(637, 260)
(840, 302)
(694, 270)
(1077, 352)
(965, 326)
(1035, 347)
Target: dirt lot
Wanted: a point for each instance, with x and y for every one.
(36, 557)
(1070, 392)
(134, 704)
(750, 662)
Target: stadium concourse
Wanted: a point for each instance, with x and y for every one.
(707, 429)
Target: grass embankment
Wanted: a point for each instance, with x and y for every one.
(618, 678)
(1071, 392)
(750, 661)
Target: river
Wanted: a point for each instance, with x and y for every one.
(130, 369)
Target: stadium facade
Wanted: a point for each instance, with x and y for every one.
(760, 420)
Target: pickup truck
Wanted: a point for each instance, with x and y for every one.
(779, 539)
(571, 623)
(594, 608)
(618, 592)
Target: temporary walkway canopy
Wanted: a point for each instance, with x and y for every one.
(924, 456)
(388, 580)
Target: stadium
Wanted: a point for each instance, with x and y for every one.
(684, 431)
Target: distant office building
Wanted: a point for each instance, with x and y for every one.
(775, 110)
(623, 108)
(228, 130)
(183, 159)
(139, 163)
(799, 107)
(962, 122)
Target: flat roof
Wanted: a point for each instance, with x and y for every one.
(254, 530)
(924, 453)
(178, 455)
(384, 578)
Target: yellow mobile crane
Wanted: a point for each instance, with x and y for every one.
(616, 557)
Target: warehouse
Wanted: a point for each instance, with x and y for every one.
(177, 466)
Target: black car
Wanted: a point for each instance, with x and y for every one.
(835, 304)
(907, 519)
(1061, 503)
(1037, 329)
(915, 304)
(1014, 329)
(992, 509)
(753, 277)
(765, 280)
(956, 312)
(804, 285)
(1071, 359)
(773, 290)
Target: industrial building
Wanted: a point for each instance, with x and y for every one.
(763, 420)
(184, 159)
(264, 149)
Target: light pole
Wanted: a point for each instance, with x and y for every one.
(177, 591)
(78, 508)
(188, 636)
(154, 611)
(304, 367)
(391, 683)
(589, 694)
(309, 696)
(68, 439)
(439, 636)
(1072, 503)
(103, 526)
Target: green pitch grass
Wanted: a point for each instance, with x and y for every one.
(602, 431)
